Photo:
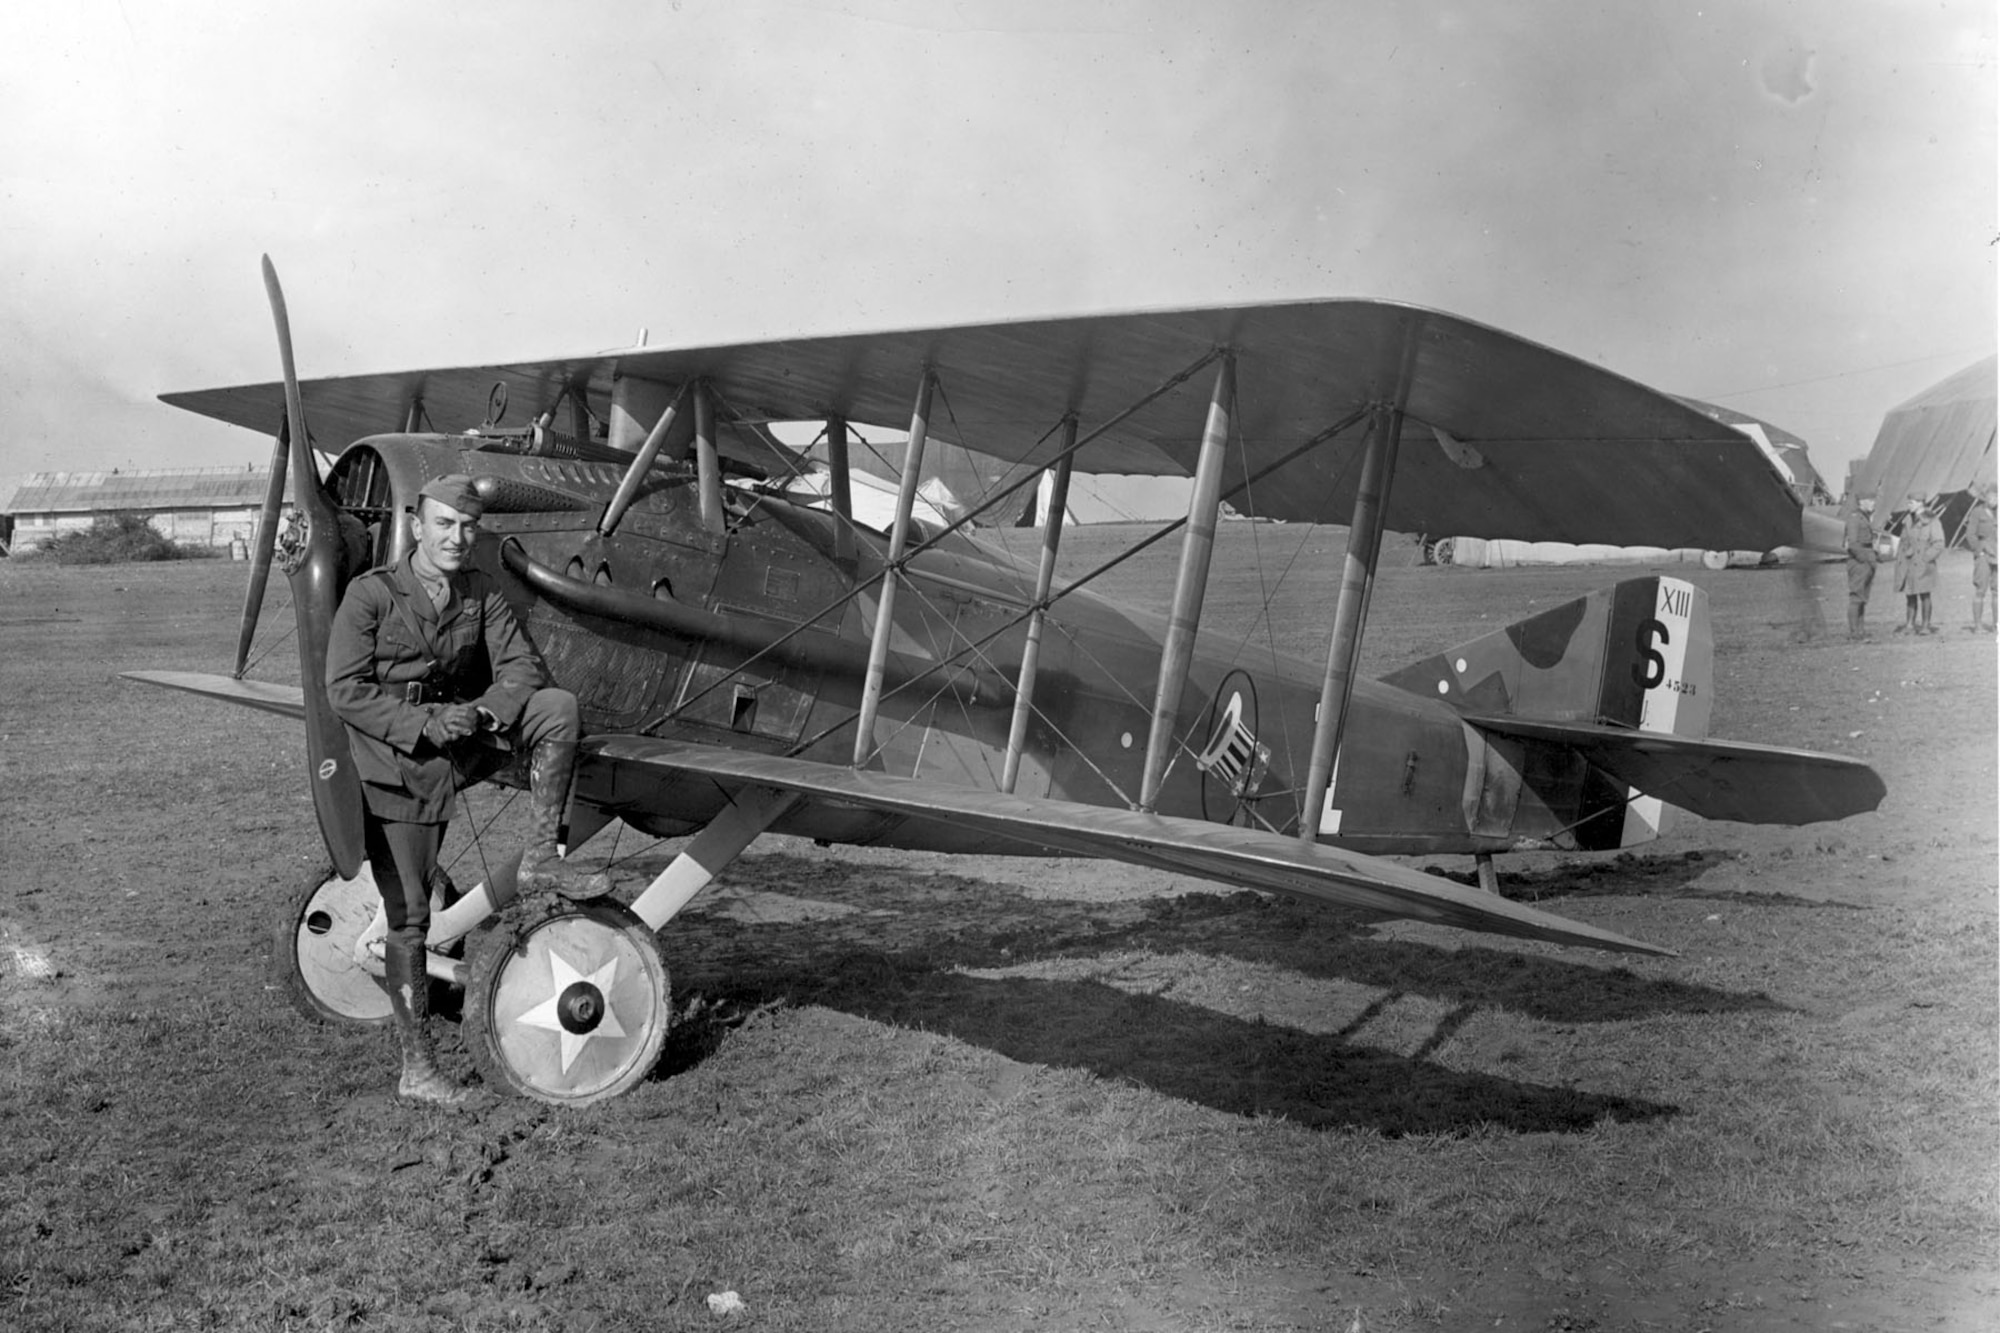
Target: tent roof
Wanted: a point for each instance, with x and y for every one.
(1938, 442)
(183, 488)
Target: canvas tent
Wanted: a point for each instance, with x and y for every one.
(1937, 443)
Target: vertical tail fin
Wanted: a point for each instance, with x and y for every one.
(1638, 654)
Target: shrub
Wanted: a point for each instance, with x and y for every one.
(118, 539)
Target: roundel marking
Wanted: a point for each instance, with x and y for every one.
(1233, 762)
(327, 768)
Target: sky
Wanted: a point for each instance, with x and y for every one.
(1785, 208)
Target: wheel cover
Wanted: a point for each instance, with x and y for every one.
(575, 1006)
(329, 920)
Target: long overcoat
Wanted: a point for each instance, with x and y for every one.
(387, 635)
(1917, 555)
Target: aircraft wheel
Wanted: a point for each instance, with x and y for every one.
(567, 1003)
(313, 954)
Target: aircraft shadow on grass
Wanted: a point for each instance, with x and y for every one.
(897, 959)
(1244, 1067)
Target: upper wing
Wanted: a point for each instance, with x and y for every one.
(1505, 438)
(1753, 784)
(1246, 857)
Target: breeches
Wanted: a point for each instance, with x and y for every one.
(1860, 578)
(549, 715)
(404, 857)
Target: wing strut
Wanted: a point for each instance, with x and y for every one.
(642, 463)
(1031, 651)
(751, 810)
(906, 501)
(840, 489)
(708, 466)
(1197, 545)
(1357, 582)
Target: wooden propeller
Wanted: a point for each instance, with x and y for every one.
(317, 570)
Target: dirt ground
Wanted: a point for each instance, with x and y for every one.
(912, 1091)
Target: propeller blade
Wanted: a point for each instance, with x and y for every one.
(267, 542)
(317, 578)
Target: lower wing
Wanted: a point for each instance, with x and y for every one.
(1246, 857)
(1752, 784)
(1250, 858)
(284, 700)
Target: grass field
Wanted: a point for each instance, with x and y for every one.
(913, 1092)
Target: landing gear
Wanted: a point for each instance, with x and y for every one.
(313, 955)
(567, 1003)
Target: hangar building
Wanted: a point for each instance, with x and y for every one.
(213, 506)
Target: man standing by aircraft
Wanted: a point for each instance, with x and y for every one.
(1859, 539)
(435, 681)
(1979, 535)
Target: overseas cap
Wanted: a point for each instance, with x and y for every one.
(455, 491)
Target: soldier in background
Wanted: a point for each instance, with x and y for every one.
(1859, 540)
(1980, 536)
(1917, 552)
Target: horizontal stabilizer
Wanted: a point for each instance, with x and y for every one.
(284, 700)
(1246, 857)
(1751, 784)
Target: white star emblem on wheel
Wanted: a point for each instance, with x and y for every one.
(547, 1015)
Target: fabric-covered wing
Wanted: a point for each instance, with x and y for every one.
(1751, 784)
(1246, 857)
(284, 700)
(1505, 438)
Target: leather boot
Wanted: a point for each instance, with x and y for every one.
(550, 769)
(409, 1008)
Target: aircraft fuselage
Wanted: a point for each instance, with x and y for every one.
(755, 637)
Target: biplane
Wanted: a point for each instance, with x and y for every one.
(750, 661)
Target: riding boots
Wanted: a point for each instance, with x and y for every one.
(409, 1006)
(551, 767)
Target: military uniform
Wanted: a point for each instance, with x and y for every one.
(1985, 557)
(1917, 555)
(1859, 539)
(394, 657)
(439, 687)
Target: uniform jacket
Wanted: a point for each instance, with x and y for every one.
(385, 635)
(1859, 538)
(1982, 534)
(1917, 556)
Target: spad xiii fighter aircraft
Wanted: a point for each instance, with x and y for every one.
(748, 662)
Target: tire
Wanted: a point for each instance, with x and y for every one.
(567, 1002)
(313, 953)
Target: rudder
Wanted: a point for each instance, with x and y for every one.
(1638, 654)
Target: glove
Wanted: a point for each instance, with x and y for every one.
(451, 722)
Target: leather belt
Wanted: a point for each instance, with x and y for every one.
(425, 692)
